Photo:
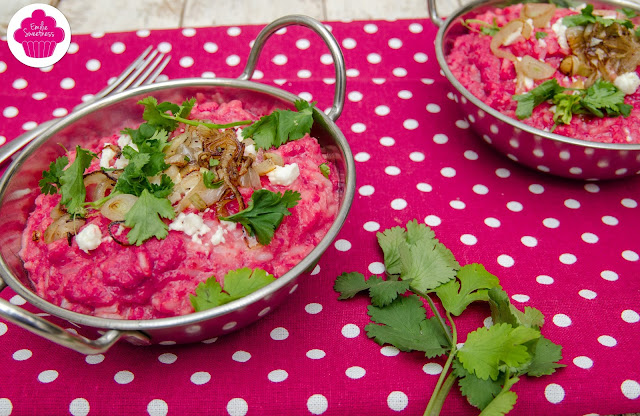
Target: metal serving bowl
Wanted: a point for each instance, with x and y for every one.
(19, 188)
(538, 149)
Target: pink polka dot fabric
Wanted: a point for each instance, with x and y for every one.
(565, 247)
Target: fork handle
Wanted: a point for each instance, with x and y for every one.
(12, 147)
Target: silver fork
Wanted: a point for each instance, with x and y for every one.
(144, 70)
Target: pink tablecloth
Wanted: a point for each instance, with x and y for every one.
(567, 248)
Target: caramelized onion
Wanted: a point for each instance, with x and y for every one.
(504, 35)
(539, 13)
(117, 207)
(63, 227)
(535, 69)
(102, 184)
(175, 143)
(276, 158)
(264, 167)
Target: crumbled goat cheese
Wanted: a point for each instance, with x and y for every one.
(124, 140)
(284, 175)
(627, 83)
(106, 156)
(89, 238)
(218, 236)
(191, 224)
(561, 32)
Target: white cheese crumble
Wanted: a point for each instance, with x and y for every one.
(561, 32)
(124, 140)
(542, 43)
(284, 175)
(250, 150)
(106, 156)
(218, 236)
(528, 82)
(191, 224)
(627, 83)
(89, 238)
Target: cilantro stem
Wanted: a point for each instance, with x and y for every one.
(439, 317)
(209, 125)
(443, 386)
(437, 401)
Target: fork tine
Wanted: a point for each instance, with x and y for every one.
(131, 78)
(152, 72)
(127, 71)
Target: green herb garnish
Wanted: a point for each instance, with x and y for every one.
(237, 284)
(72, 186)
(543, 92)
(210, 180)
(491, 360)
(541, 35)
(281, 126)
(324, 168)
(630, 13)
(144, 218)
(485, 28)
(586, 16)
(265, 212)
(50, 182)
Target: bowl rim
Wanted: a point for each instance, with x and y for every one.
(193, 318)
(499, 115)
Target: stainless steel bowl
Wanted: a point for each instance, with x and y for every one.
(19, 187)
(538, 149)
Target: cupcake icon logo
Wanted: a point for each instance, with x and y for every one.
(38, 35)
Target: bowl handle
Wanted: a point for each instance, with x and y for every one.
(329, 40)
(39, 326)
(433, 13)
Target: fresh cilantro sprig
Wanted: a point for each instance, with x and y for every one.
(541, 35)
(485, 28)
(265, 212)
(50, 182)
(210, 180)
(325, 170)
(144, 218)
(491, 360)
(586, 16)
(281, 126)
(237, 284)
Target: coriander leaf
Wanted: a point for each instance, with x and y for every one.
(153, 113)
(281, 126)
(324, 169)
(543, 92)
(403, 324)
(209, 179)
(566, 106)
(630, 13)
(390, 241)
(144, 218)
(545, 355)
(164, 188)
(486, 349)
(604, 97)
(208, 295)
(350, 284)
(382, 292)
(541, 35)
(586, 16)
(427, 267)
(485, 28)
(479, 392)
(185, 108)
(72, 186)
(242, 282)
(50, 182)
(265, 212)
(472, 284)
(502, 311)
(501, 405)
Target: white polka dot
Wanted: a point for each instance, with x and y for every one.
(589, 238)
(241, 356)
(354, 96)
(3, 328)
(536, 189)
(514, 206)
(629, 203)
(404, 94)
(304, 74)
(19, 84)
(417, 156)
(370, 28)
(587, 294)
(326, 59)
(433, 369)
(164, 47)
(505, 260)
(432, 220)
(229, 325)
(187, 61)
(395, 43)
(415, 28)
(97, 35)
(22, 355)
(389, 351)
(382, 110)
(424, 187)
(529, 241)
(279, 334)
(143, 33)
(17, 300)
(277, 376)
(6, 407)
(630, 317)
(210, 47)
(561, 320)
(67, 83)
(60, 112)
(350, 331)
(630, 255)
(392, 170)
(462, 124)
(317, 404)
(551, 223)
(397, 401)
(544, 279)
(468, 239)
(433, 108)
(376, 267)
(503, 173)
(123, 377)
(607, 341)
(492, 222)
(520, 298)
(157, 407)
(609, 275)
(313, 308)
(79, 407)
(398, 204)
(554, 393)
(366, 190)
(371, 226)
(188, 32)
(583, 362)
(234, 31)
(440, 138)
(200, 377)
(39, 96)
(316, 354)
(572, 204)
(420, 57)
(410, 124)
(455, 204)
(355, 372)
(118, 47)
(448, 172)
(47, 68)
(358, 127)
(3, 140)
(29, 125)
(93, 65)
(568, 258)
(10, 112)
(303, 44)
(167, 358)
(470, 155)
(3, 66)
(609, 220)
(630, 389)
(349, 43)
(94, 359)
(314, 272)
(480, 189)
(214, 339)
(233, 60)
(362, 157)
(279, 59)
